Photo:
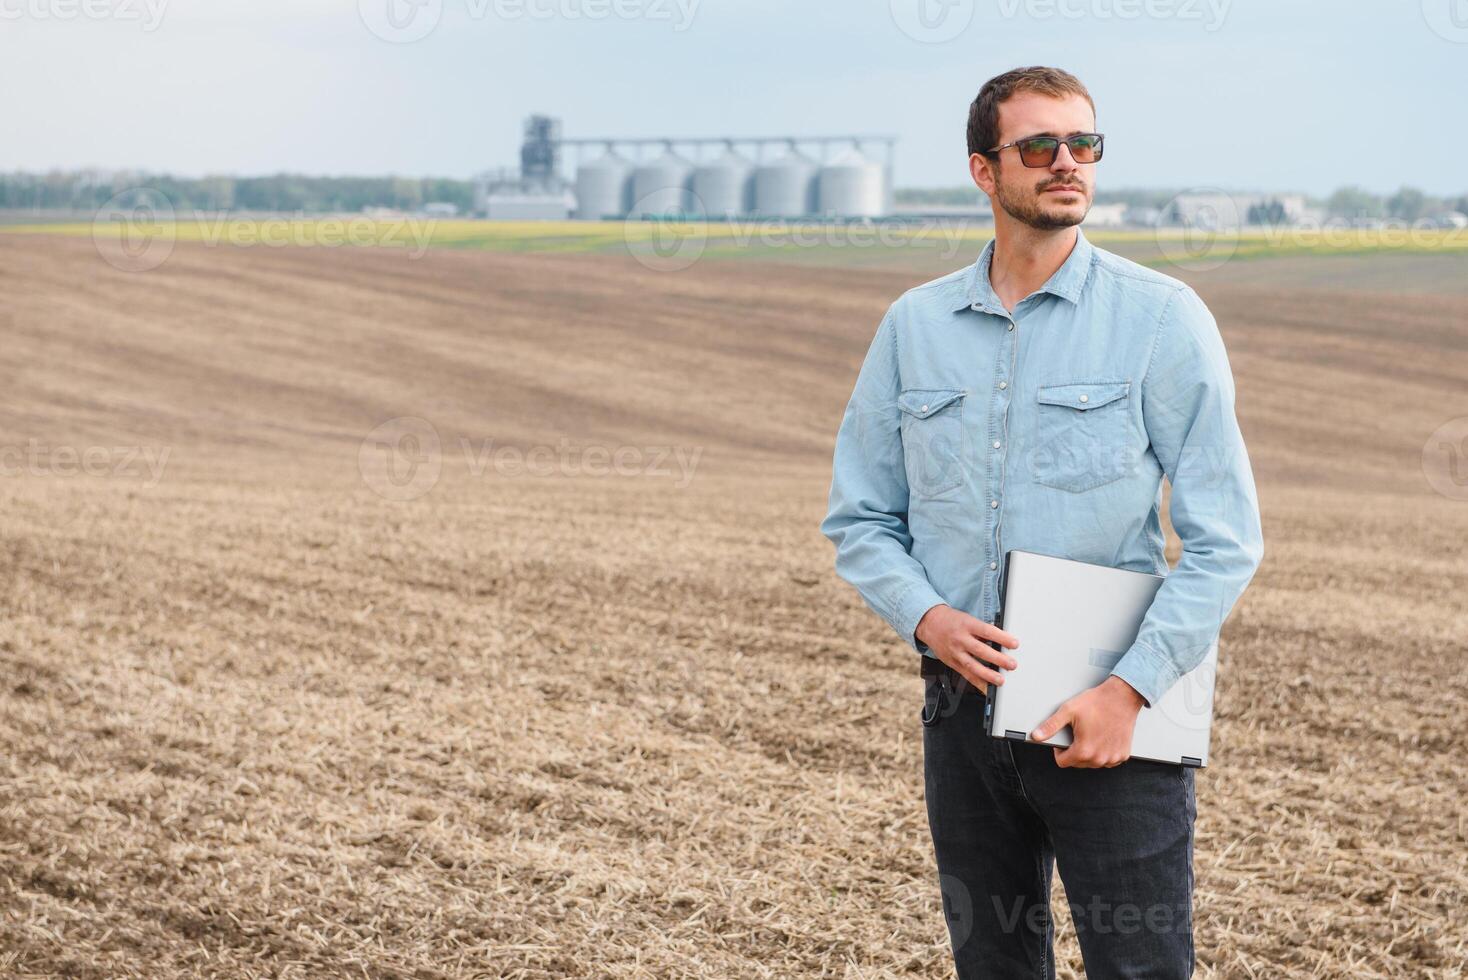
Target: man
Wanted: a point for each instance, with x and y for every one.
(1034, 401)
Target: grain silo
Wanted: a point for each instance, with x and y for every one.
(786, 188)
(853, 186)
(731, 185)
(661, 186)
(604, 188)
(724, 188)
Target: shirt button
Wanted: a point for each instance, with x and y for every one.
(993, 503)
(1011, 326)
(1084, 398)
(1003, 385)
(996, 443)
(925, 408)
(993, 564)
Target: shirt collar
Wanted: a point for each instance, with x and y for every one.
(1067, 281)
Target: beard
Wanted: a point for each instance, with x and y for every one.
(1024, 206)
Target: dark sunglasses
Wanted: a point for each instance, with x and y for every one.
(1041, 151)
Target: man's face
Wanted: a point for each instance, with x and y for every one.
(1051, 197)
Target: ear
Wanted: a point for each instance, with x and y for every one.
(981, 168)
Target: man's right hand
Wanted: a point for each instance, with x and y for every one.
(958, 640)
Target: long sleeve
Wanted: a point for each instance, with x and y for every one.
(1188, 409)
(867, 516)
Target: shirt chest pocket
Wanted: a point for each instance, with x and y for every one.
(933, 439)
(1083, 433)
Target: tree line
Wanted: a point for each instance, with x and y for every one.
(1407, 203)
(293, 193)
(91, 190)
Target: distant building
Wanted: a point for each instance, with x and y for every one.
(534, 192)
(1216, 212)
(1210, 212)
(838, 182)
(980, 213)
(528, 207)
(441, 209)
(1141, 216)
(1295, 208)
(1106, 215)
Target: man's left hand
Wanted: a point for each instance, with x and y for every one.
(1101, 721)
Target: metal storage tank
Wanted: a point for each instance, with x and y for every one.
(724, 188)
(604, 188)
(853, 186)
(786, 188)
(661, 186)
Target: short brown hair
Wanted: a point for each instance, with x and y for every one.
(983, 115)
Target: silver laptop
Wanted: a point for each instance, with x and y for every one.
(1074, 620)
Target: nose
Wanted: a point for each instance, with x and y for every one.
(1064, 162)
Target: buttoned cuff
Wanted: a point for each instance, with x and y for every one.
(911, 607)
(1149, 672)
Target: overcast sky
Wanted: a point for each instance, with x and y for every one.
(1302, 95)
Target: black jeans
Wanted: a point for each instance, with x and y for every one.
(1000, 811)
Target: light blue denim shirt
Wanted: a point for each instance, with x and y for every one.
(973, 431)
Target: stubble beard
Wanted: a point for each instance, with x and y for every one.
(1025, 208)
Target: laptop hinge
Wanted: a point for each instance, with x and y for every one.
(1190, 761)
